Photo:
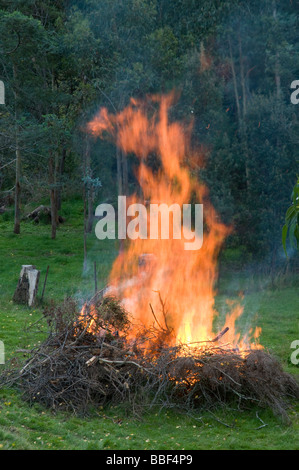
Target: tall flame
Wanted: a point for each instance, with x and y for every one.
(159, 280)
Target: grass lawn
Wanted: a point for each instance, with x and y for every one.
(24, 427)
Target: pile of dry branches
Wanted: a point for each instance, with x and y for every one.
(88, 360)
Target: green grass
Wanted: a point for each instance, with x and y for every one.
(25, 427)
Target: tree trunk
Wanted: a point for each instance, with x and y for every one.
(53, 195)
(86, 170)
(84, 231)
(242, 76)
(244, 112)
(119, 172)
(17, 218)
(60, 173)
(90, 209)
(90, 190)
(27, 287)
(125, 174)
(277, 61)
(235, 84)
(240, 114)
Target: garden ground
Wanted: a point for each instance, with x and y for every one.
(271, 305)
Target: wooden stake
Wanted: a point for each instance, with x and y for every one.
(45, 284)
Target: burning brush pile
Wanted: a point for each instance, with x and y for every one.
(89, 359)
(149, 339)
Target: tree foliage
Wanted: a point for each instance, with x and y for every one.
(291, 225)
(232, 62)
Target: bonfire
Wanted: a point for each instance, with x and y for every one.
(148, 338)
(90, 360)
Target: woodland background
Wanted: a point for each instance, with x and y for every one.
(232, 64)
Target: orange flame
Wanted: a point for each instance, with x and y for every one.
(159, 281)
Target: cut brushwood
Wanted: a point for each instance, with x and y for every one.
(77, 366)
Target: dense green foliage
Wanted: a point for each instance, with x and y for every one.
(291, 225)
(232, 62)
